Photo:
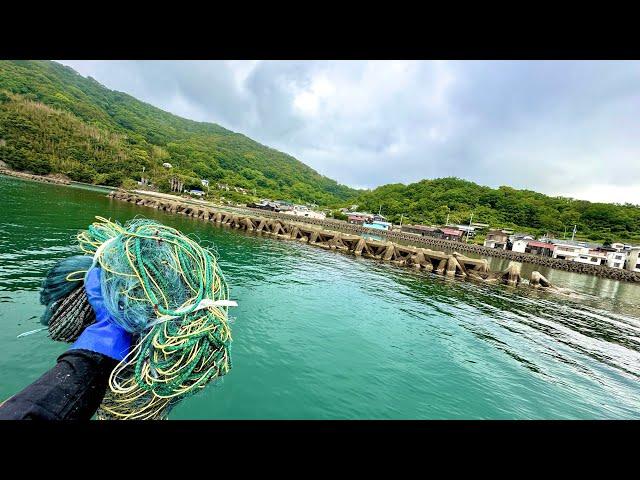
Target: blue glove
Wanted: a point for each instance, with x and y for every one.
(104, 336)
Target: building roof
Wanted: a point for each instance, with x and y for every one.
(522, 236)
(451, 231)
(574, 243)
(534, 243)
(378, 225)
(421, 227)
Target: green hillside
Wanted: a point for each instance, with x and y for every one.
(53, 120)
(430, 201)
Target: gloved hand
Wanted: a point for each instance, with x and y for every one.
(104, 336)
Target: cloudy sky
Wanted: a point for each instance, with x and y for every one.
(560, 127)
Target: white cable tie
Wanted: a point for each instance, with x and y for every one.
(204, 303)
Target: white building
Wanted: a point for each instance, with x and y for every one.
(304, 211)
(520, 236)
(519, 245)
(497, 238)
(565, 251)
(633, 260)
(592, 257)
(616, 259)
(467, 230)
(618, 246)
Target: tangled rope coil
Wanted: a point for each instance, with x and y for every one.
(169, 292)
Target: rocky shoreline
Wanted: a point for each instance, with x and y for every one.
(35, 178)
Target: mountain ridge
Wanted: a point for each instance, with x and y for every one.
(150, 136)
(54, 120)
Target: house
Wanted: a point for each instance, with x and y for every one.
(519, 245)
(618, 247)
(580, 252)
(451, 234)
(468, 230)
(569, 251)
(264, 205)
(497, 239)
(592, 257)
(283, 205)
(205, 183)
(518, 242)
(358, 218)
(479, 226)
(633, 259)
(421, 230)
(535, 247)
(377, 225)
(304, 211)
(167, 165)
(425, 231)
(520, 236)
(616, 259)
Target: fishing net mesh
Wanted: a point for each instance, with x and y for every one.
(169, 292)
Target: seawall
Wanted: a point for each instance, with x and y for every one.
(555, 263)
(321, 234)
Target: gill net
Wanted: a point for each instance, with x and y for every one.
(164, 288)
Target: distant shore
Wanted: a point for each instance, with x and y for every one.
(138, 197)
(54, 179)
(36, 178)
(341, 225)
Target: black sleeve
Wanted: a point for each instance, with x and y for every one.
(72, 390)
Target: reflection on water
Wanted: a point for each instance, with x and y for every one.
(326, 335)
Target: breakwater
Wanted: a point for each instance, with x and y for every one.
(36, 178)
(450, 264)
(555, 263)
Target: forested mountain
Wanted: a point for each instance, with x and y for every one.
(430, 201)
(53, 120)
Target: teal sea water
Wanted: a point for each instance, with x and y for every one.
(323, 335)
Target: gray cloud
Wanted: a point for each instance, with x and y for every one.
(559, 127)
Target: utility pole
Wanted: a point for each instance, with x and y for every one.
(574, 232)
(401, 215)
(470, 220)
(447, 221)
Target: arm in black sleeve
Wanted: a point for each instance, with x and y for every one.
(71, 390)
